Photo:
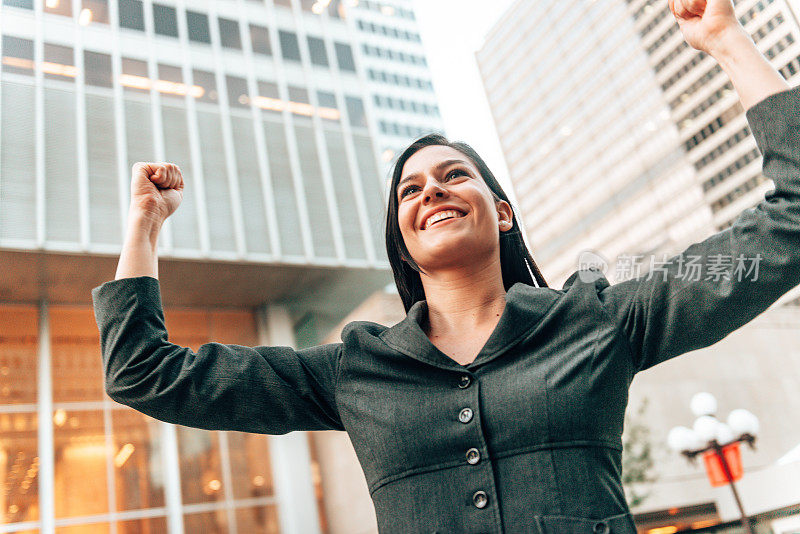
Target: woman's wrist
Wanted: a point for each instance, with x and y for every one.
(143, 225)
(139, 256)
(730, 43)
(753, 77)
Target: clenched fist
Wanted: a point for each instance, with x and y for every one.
(156, 190)
(705, 22)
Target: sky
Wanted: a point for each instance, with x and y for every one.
(452, 31)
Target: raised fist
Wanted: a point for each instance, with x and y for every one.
(704, 22)
(156, 190)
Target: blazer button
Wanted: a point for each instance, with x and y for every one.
(480, 499)
(601, 527)
(465, 416)
(464, 381)
(473, 456)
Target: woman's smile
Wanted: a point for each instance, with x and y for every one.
(441, 217)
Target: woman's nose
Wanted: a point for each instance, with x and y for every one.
(433, 188)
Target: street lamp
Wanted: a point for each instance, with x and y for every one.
(717, 441)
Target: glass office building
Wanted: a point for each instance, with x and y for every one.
(266, 108)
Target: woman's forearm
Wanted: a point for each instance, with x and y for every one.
(753, 77)
(139, 251)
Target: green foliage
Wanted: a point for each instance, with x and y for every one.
(637, 456)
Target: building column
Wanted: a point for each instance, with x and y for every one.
(45, 421)
(290, 455)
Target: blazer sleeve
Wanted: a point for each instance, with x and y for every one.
(263, 390)
(743, 269)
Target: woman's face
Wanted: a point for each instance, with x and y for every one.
(439, 180)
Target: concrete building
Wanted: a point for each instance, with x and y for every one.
(622, 141)
(263, 106)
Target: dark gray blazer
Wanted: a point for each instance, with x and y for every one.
(526, 438)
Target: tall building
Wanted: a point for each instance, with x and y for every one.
(267, 108)
(624, 142)
(398, 79)
(610, 113)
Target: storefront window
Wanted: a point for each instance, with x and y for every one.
(18, 348)
(262, 519)
(201, 466)
(19, 467)
(215, 522)
(138, 475)
(149, 525)
(80, 454)
(251, 474)
(77, 368)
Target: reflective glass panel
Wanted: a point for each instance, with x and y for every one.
(138, 474)
(251, 472)
(19, 344)
(260, 520)
(19, 467)
(75, 355)
(200, 466)
(80, 463)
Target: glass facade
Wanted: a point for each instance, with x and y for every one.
(266, 109)
(107, 458)
(255, 162)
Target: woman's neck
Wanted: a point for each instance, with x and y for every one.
(460, 303)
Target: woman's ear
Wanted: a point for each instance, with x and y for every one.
(505, 215)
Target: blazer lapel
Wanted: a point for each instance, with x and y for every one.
(525, 305)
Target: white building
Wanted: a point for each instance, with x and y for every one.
(398, 79)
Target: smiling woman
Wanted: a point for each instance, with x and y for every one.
(454, 169)
(497, 404)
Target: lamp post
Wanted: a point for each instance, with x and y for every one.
(718, 442)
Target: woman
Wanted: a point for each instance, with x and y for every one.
(495, 405)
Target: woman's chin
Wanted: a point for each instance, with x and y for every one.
(450, 251)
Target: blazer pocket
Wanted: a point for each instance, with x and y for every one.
(562, 524)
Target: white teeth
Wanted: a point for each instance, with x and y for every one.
(441, 215)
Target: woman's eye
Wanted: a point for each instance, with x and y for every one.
(455, 172)
(406, 190)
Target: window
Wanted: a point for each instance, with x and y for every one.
(63, 7)
(98, 9)
(134, 75)
(166, 20)
(259, 39)
(25, 4)
(355, 110)
(198, 27)
(229, 34)
(62, 64)
(208, 82)
(172, 74)
(316, 48)
(326, 100)
(19, 55)
(97, 69)
(344, 57)
(290, 48)
(237, 92)
(268, 89)
(131, 14)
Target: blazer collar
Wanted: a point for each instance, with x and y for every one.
(525, 305)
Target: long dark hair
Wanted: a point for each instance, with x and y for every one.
(516, 262)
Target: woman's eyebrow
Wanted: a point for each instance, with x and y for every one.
(438, 167)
